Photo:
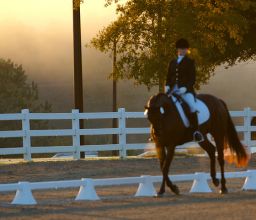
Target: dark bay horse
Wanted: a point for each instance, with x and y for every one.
(168, 131)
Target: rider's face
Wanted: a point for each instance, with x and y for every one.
(182, 51)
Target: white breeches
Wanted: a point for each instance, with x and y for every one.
(190, 100)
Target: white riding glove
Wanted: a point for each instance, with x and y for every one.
(181, 91)
(167, 89)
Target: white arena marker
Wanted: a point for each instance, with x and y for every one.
(250, 181)
(87, 191)
(146, 188)
(200, 184)
(24, 195)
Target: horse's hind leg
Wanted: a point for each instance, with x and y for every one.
(220, 147)
(210, 149)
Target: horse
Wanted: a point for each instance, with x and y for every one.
(168, 131)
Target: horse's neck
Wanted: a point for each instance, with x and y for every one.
(175, 114)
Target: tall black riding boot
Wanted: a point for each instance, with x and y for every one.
(197, 135)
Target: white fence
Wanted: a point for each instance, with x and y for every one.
(87, 190)
(75, 132)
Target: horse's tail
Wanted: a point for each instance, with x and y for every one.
(238, 153)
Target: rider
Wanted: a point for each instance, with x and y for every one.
(181, 79)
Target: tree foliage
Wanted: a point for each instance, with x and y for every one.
(220, 32)
(16, 93)
(76, 3)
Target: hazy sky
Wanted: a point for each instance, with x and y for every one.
(42, 15)
(38, 34)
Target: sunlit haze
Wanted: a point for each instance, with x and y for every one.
(39, 32)
(39, 35)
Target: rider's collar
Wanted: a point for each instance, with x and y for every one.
(180, 57)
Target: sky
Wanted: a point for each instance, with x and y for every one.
(42, 14)
(38, 34)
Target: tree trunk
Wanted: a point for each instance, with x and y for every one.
(114, 104)
(161, 85)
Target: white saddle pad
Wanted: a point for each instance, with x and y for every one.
(203, 111)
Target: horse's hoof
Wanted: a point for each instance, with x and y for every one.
(216, 182)
(159, 195)
(175, 189)
(224, 191)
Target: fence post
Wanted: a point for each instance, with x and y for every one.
(26, 136)
(122, 134)
(76, 136)
(247, 125)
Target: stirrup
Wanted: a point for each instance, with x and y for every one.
(198, 137)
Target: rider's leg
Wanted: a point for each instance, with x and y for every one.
(190, 100)
(197, 135)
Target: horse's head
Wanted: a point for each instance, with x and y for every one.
(157, 108)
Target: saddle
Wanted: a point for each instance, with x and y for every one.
(203, 113)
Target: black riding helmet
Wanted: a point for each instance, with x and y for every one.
(182, 43)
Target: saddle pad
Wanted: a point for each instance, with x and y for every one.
(203, 111)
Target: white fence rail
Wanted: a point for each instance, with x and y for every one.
(75, 132)
(87, 190)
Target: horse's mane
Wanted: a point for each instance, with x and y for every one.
(158, 100)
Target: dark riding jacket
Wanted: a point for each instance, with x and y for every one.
(183, 74)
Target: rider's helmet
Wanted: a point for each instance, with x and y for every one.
(182, 43)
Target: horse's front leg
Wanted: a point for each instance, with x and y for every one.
(161, 156)
(165, 170)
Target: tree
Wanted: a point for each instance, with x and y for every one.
(78, 75)
(17, 93)
(253, 133)
(220, 32)
(76, 3)
(109, 43)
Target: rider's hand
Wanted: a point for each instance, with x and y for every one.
(167, 89)
(180, 91)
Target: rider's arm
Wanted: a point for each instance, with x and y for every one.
(167, 89)
(170, 75)
(193, 73)
(191, 78)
